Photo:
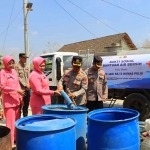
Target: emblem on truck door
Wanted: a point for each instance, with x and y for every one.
(148, 64)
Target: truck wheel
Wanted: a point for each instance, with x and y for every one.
(140, 103)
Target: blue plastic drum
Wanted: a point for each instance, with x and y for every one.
(79, 114)
(113, 129)
(45, 132)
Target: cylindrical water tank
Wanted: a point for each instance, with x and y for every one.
(113, 129)
(45, 132)
(78, 113)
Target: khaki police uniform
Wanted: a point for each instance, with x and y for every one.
(23, 75)
(77, 84)
(97, 85)
(97, 89)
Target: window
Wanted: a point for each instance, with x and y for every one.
(49, 62)
(65, 58)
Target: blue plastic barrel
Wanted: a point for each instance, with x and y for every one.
(45, 132)
(78, 113)
(113, 129)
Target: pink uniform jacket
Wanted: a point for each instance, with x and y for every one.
(40, 86)
(9, 84)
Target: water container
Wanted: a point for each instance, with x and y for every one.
(113, 129)
(79, 114)
(5, 138)
(45, 132)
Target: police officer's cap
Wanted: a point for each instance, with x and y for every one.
(77, 61)
(98, 60)
(23, 55)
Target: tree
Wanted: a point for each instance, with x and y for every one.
(53, 47)
(146, 44)
(44, 51)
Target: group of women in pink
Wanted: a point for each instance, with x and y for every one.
(12, 93)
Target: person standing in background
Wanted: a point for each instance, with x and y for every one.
(23, 75)
(97, 91)
(41, 94)
(11, 94)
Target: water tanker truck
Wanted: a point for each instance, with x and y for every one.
(128, 77)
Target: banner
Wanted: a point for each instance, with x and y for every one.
(130, 71)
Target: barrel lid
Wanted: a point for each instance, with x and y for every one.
(44, 122)
(63, 107)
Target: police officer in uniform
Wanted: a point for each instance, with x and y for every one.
(97, 91)
(74, 81)
(23, 75)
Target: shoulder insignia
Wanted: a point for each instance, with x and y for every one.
(101, 72)
(79, 75)
(68, 74)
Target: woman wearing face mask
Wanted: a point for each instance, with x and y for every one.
(40, 87)
(11, 94)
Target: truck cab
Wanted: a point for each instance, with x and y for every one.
(54, 66)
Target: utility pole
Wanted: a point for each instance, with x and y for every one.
(26, 8)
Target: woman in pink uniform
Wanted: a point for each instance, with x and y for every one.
(40, 87)
(11, 94)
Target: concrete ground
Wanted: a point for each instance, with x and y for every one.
(117, 104)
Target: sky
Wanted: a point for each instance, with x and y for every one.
(54, 23)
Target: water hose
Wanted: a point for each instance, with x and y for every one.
(68, 100)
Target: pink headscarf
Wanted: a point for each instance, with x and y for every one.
(6, 60)
(37, 62)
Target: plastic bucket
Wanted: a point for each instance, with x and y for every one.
(113, 129)
(79, 114)
(45, 132)
(5, 138)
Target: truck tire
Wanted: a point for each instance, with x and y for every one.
(138, 102)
